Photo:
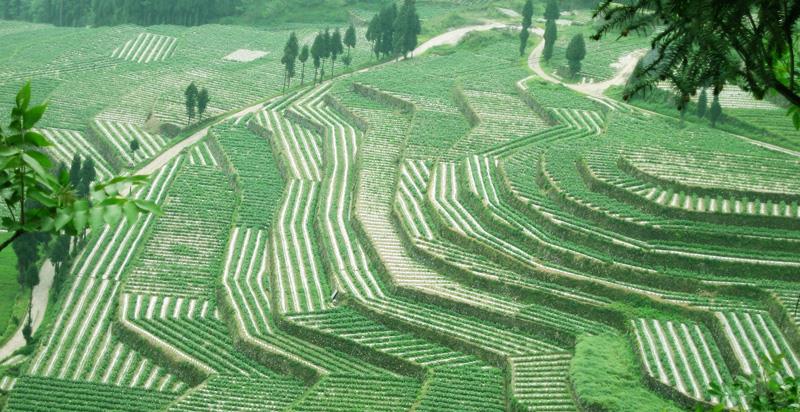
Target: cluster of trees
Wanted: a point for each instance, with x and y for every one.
(196, 102)
(326, 46)
(111, 12)
(394, 32)
(714, 112)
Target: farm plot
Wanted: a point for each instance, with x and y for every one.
(250, 158)
(179, 257)
(539, 381)
(245, 55)
(146, 48)
(498, 118)
(345, 393)
(754, 336)
(120, 135)
(68, 143)
(81, 346)
(683, 356)
(380, 155)
(360, 281)
(201, 155)
(35, 394)
(240, 393)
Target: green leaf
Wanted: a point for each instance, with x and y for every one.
(24, 96)
(81, 205)
(80, 220)
(148, 206)
(131, 212)
(37, 139)
(33, 115)
(35, 163)
(112, 214)
(62, 218)
(96, 217)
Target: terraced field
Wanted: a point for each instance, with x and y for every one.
(431, 234)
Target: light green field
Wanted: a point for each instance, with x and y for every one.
(10, 302)
(442, 233)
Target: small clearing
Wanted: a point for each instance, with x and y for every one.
(245, 55)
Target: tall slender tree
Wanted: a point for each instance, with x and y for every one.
(325, 51)
(551, 11)
(191, 102)
(576, 51)
(88, 176)
(524, 34)
(388, 17)
(702, 104)
(406, 28)
(316, 53)
(75, 171)
(373, 34)
(715, 111)
(202, 102)
(336, 48)
(551, 14)
(350, 38)
(303, 57)
(290, 51)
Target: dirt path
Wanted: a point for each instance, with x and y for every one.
(454, 36)
(625, 66)
(41, 295)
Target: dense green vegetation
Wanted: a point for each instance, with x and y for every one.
(476, 226)
(605, 377)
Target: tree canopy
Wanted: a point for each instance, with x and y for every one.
(39, 201)
(711, 43)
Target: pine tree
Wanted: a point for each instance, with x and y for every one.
(715, 111)
(350, 38)
(524, 34)
(134, 146)
(290, 51)
(702, 104)
(576, 51)
(303, 57)
(191, 102)
(551, 12)
(202, 102)
(75, 171)
(373, 34)
(336, 48)
(388, 17)
(88, 176)
(550, 36)
(326, 49)
(316, 53)
(412, 27)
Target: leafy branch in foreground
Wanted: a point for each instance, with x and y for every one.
(769, 391)
(710, 43)
(41, 201)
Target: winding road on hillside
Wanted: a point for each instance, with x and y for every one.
(451, 37)
(627, 64)
(41, 295)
